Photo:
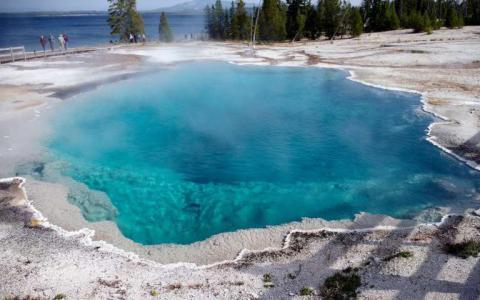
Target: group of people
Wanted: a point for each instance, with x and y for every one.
(135, 38)
(62, 42)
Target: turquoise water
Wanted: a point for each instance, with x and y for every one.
(203, 148)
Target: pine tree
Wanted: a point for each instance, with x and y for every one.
(321, 16)
(472, 16)
(241, 25)
(312, 28)
(233, 30)
(452, 19)
(164, 32)
(135, 20)
(427, 24)
(332, 17)
(227, 24)
(356, 23)
(394, 21)
(210, 21)
(116, 17)
(272, 21)
(124, 18)
(219, 21)
(296, 17)
(419, 23)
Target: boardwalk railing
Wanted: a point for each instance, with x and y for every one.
(13, 53)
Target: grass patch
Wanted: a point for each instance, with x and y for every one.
(465, 249)
(60, 297)
(268, 281)
(307, 291)
(154, 293)
(341, 285)
(402, 254)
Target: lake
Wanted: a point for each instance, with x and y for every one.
(84, 30)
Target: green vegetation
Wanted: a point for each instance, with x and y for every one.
(124, 19)
(240, 27)
(267, 278)
(272, 21)
(402, 254)
(465, 249)
(60, 297)
(307, 291)
(356, 22)
(297, 13)
(268, 281)
(215, 21)
(342, 285)
(164, 32)
(154, 293)
(453, 20)
(297, 19)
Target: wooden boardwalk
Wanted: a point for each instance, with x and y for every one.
(22, 56)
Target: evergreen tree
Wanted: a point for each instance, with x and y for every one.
(296, 17)
(472, 12)
(356, 22)
(124, 18)
(219, 21)
(332, 17)
(321, 16)
(209, 21)
(164, 32)
(427, 24)
(343, 27)
(116, 17)
(277, 21)
(420, 23)
(394, 22)
(227, 24)
(272, 21)
(232, 31)
(241, 25)
(452, 19)
(312, 28)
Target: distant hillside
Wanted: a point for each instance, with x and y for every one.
(194, 7)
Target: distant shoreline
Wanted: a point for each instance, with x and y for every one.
(89, 13)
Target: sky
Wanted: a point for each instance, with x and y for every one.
(69, 5)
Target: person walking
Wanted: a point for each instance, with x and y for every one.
(43, 42)
(65, 38)
(144, 38)
(130, 38)
(51, 41)
(61, 41)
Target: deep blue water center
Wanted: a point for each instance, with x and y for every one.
(203, 148)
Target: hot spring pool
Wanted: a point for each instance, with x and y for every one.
(203, 148)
